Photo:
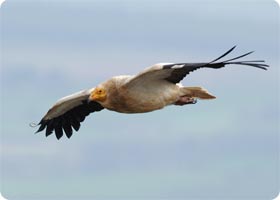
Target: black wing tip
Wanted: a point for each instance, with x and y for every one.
(42, 124)
(253, 63)
(232, 48)
(64, 124)
(223, 55)
(58, 136)
(50, 128)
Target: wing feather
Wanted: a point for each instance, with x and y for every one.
(175, 72)
(68, 113)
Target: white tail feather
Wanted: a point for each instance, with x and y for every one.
(196, 92)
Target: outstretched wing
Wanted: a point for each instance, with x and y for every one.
(175, 72)
(68, 113)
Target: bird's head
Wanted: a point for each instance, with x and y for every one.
(98, 94)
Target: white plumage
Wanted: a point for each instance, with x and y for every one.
(152, 89)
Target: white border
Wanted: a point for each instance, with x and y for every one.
(278, 196)
(2, 198)
(1, 2)
(278, 2)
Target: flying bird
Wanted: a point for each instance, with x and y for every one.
(152, 89)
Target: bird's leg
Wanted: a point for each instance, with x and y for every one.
(183, 100)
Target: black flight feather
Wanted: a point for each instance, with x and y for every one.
(70, 119)
(178, 73)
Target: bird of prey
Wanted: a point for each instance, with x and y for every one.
(152, 89)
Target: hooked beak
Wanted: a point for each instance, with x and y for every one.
(97, 96)
(92, 97)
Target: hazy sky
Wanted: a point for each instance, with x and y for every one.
(225, 148)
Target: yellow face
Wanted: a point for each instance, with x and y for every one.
(98, 94)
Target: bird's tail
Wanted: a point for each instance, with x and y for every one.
(196, 92)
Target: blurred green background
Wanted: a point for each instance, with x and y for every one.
(226, 148)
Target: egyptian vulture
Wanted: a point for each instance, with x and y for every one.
(152, 89)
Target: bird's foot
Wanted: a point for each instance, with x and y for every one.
(185, 100)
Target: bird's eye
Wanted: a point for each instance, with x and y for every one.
(99, 91)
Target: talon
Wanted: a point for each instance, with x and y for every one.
(186, 100)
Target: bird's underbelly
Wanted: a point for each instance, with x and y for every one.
(145, 100)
